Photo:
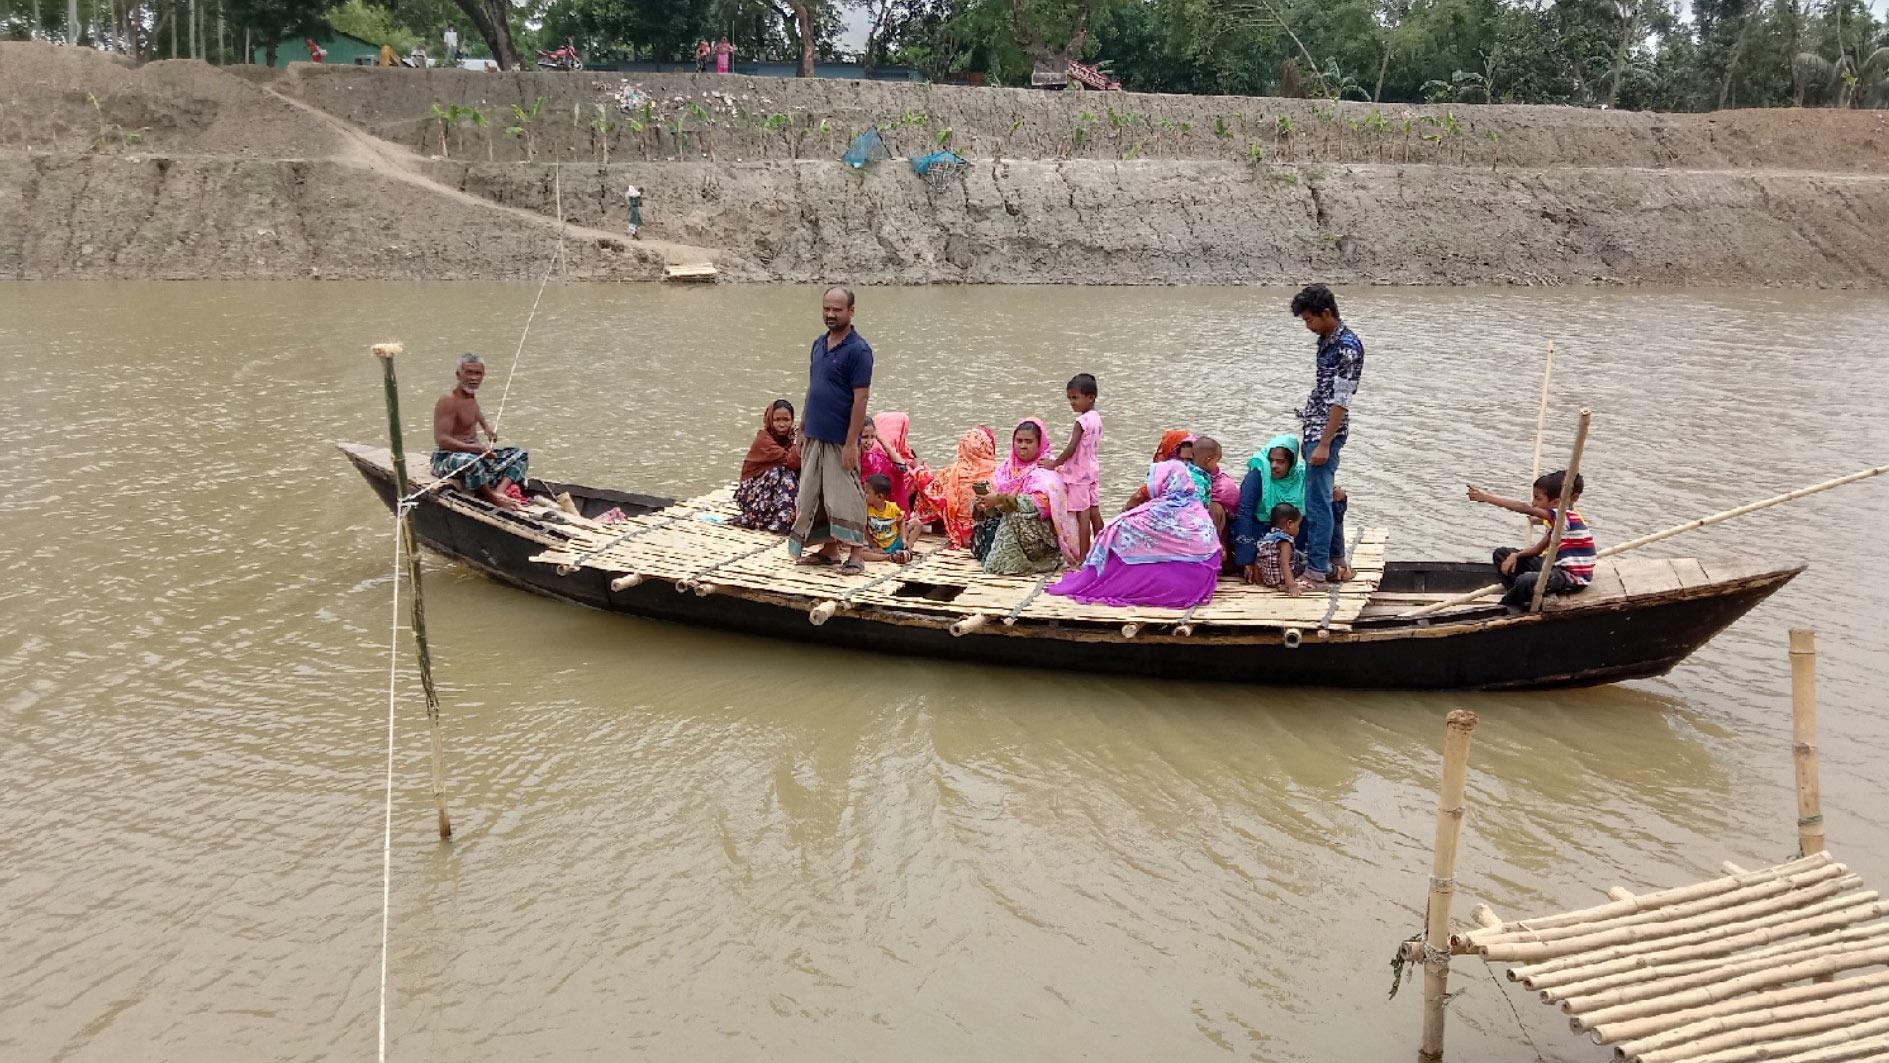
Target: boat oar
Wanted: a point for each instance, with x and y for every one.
(1691, 525)
(1559, 529)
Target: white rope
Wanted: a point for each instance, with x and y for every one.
(387, 822)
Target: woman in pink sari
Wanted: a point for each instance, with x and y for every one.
(894, 430)
(1162, 553)
(1024, 523)
(876, 459)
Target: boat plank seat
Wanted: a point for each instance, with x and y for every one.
(696, 542)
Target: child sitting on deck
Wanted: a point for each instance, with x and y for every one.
(1573, 562)
(1275, 563)
(885, 533)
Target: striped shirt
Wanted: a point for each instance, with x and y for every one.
(1576, 555)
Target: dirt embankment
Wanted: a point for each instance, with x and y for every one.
(181, 170)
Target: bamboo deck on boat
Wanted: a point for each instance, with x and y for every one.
(1772, 964)
(694, 542)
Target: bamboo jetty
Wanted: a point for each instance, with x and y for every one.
(1780, 963)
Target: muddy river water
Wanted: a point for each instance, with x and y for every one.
(678, 845)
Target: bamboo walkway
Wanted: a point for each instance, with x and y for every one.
(1773, 964)
(694, 544)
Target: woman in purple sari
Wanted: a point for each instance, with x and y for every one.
(1162, 553)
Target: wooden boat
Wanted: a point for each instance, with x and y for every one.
(684, 561)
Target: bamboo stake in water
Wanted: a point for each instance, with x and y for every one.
(1691, 525)
(1436, 932)
(1810, 837)
(1541, 426)
(1560, 528)
(385, 352)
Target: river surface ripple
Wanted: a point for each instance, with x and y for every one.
(676, 845)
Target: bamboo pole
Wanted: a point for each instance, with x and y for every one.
(1666, 913)
(386, 352)
(1680, 529)
(1679, 932)
(1662, 898)
(1810, 837)
(1665, 981)
(1541, 426)
(1731, 951)
(1635, 1035)
(1436, 932)
(1561, 513)
(1726, 989)
(1822, 921)
(1689, 1030)
(1875, 1024)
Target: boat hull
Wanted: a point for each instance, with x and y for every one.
(1632, 639)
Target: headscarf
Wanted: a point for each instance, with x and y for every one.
(768, 449)
(948, 496)
(1170, 445)
(1014, 477)
(1173, 526)
(894, 430)
(1289, 488)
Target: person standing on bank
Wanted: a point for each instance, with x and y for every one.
(1325, 421)
(832, 506)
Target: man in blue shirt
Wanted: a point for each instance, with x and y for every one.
(832, 506)
(1326, 419)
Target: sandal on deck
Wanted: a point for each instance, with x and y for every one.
(853, 567)
(813, 560)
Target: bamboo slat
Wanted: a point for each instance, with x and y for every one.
(1688, 931)
(1683, 910)
(1876, 1048)
(1769, 1048)
(1732, 966)
(1688, 1029)
(1729, 988)
(1659, 1031)
(1580, 983)
(1659, 898)
(1670, 952)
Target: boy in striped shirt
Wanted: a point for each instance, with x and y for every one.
(1573, 563)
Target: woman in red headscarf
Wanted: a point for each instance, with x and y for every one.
(770, 474)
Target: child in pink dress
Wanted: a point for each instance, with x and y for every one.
(1080, 463)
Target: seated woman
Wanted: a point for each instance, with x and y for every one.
(894, 431)
(1023, 524)
(944, 502)
(1162, 553)
(770, 474)
(1277, 475)
(1177, 445)
(876, 460)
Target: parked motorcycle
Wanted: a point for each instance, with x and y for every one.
(564, 58)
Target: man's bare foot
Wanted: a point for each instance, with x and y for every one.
(499, 499)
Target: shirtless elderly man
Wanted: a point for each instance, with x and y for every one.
(457, 421)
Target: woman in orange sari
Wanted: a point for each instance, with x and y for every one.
(946, 499)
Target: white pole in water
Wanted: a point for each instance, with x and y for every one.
(1541, 426)
(385, 352)
(1691, 525)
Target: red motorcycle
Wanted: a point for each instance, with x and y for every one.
(564, 58)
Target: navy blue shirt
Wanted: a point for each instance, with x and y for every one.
(1340, 368)
(830, 382)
